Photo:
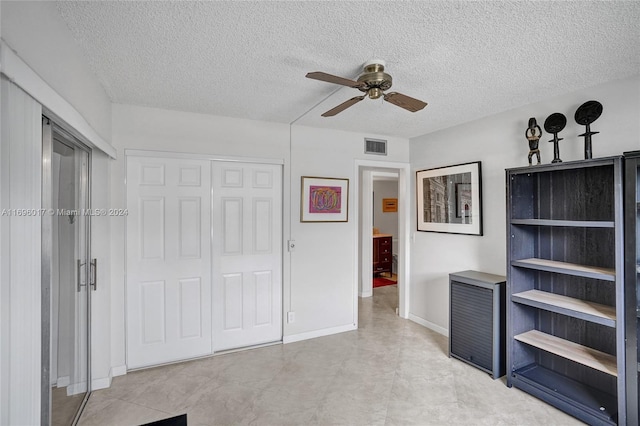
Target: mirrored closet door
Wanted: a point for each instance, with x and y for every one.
(67, 273)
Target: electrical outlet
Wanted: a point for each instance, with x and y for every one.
(291, 317)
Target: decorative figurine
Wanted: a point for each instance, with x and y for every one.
(586, 114)
(533, 134)
(554, 124)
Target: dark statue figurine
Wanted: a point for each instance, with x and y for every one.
(586, 114)
(554, 124)
(533, 134)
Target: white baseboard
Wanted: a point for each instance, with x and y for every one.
(366, 293)
(119, 370)
(105, 382)
(63, 382)
(102, 383)
(431, 326)
(318, 333)
(76, 388)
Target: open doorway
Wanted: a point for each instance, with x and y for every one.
(397, 176)
(385, 234)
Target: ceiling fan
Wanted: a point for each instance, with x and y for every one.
(373, 82)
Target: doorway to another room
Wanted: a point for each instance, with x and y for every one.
(383, 233)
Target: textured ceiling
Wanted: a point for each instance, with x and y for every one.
(248, 59)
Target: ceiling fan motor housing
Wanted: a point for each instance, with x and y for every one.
(375, 79)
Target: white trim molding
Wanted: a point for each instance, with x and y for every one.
(428, 324)
(19, 73)
(318, 333)
(118, 370)
(193, 156)
(102, 383)
(364, 294)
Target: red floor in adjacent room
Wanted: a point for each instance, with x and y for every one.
(381, 282)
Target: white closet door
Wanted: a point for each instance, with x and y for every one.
(247, 254)
(168, 260)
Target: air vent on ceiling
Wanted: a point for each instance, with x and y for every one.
(375, 146)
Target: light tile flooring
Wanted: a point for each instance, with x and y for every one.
(63, 407)
(390, 371)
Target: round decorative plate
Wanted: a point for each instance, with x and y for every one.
(555, 123)
(588, 112)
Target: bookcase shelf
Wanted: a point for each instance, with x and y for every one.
(589, 404)
(566, 223)
(577, 353)
(565, 287)
(570, 306)
(606, 274)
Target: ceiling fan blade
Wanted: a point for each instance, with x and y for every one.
(343, 106)
(323, 76)
(404, 101)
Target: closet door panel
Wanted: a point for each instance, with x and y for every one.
(168, 260)
(247, 254)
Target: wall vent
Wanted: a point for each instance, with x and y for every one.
(375, 146)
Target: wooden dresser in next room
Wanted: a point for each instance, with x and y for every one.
(382, 253)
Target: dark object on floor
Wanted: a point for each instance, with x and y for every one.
(477, 320)
(180, 420)
(586, 114)
(381, 282)
(554, 124)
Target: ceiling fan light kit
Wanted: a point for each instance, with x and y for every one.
(373, 82)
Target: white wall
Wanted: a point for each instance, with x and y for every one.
(323, 276)
(498, 141)
(174, 131)
(319, 277)
(35, 30)
(57, 75)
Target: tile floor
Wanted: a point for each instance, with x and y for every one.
(390, 371)
(63, 407)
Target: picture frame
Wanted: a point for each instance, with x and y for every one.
(324, 199)
(449, 199)
(389, 205)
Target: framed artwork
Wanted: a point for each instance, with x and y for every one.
(324, 199)
(389, 205)
(449, 199)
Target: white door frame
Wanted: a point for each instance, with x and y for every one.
(364, 214)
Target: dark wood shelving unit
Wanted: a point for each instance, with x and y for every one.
(632, 276)
(565, 287)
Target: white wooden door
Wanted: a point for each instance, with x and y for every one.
(168, 260)
(247, 254)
